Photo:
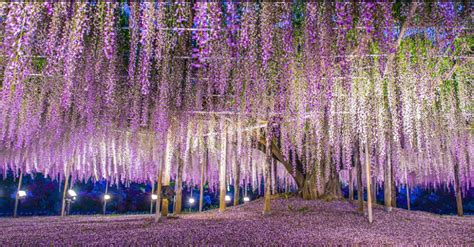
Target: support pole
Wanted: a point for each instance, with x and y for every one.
(167, 171)
(152, 193)
(367, 175)
(388, 179)
(360, 186)
(17, 199)
(63, 206)
(267, 180)
(457, 185)
(351, 186)
(158, 193)
(237, 173)
(203, 165)
(179, 185)
(104, 210)
(222, 169)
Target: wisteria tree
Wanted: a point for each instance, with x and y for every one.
(309, 94)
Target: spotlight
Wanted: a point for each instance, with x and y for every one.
(107, 197)
(227, 198)
(246, 199)
(154, 197)
(21, 193)
(191, 200)
(72, 193)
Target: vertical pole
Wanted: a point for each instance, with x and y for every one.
(167, 171)
(63, 206)
(222, 168)
(267, 179)
(457, 187)
(387, 184)
(367, 175)
(158, 192)
(408, 196)
(179, 184)
(17, 199)
(360, 186)
(152, 193)
(237, 173)
(351, 186)
(105, 201)
(203, 165)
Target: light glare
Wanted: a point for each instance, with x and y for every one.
(71, 193)
(21, 193)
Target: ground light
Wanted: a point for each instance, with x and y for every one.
(227, 198)
(246, 199)
(107, 197)
(191, 201)
(71, 193)
(21, 193)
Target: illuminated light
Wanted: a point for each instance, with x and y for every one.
(71, 193)
(191, 200)
(154, 197)
(246, 199)
(107, 197)
(21, 193)
(227, 198)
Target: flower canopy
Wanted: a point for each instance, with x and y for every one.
(124, 90)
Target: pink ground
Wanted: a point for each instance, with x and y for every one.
(292, 222)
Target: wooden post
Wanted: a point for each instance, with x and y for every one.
(367, 174)
(179, 185)
(17, 199)
(63, 206)
(203, 165)
(387, 184)
(267, 180)
(105, 201)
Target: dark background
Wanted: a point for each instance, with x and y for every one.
(44, 197)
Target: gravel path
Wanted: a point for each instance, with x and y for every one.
(292, 222)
